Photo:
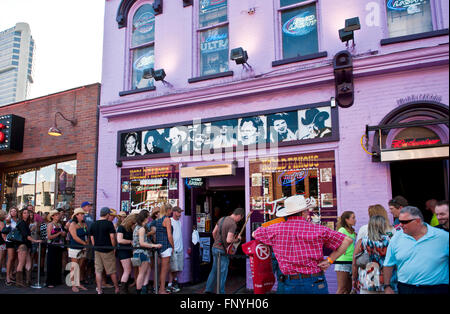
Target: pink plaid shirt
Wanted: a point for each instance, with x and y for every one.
(298, 244)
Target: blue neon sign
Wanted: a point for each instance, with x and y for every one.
(301, 24)
(402, 5)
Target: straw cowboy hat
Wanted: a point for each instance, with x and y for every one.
(113, 212)
(51, 214)
(295, 204)
(122, 214)
(77, 211)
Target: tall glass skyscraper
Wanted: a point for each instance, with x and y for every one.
(16, 63)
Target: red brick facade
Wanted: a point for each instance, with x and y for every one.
(77, 142)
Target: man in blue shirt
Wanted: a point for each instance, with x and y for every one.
(421, 255)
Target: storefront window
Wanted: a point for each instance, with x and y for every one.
(311, 175)
(149, 187)
(408, 17)
(299, 29)
(20, 188)
(47, 187)
(66, 177)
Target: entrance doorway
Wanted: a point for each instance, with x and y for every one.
(419, 181)
(208, 201)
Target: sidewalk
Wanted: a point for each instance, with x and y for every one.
(234, 285)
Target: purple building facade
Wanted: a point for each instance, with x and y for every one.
(210, 134)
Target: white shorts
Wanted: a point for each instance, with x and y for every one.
(176, 261)
(167, 253)
(77, 253)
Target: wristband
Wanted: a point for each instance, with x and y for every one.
(330, 260)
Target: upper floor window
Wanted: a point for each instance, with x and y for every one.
(408, 17)
(142, 43)
(298, 28)
(213, 36)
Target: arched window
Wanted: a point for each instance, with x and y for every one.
(141, 46)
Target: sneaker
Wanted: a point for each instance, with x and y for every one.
(175, 289)
(169, 290)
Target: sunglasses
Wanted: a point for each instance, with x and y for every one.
(405, 222)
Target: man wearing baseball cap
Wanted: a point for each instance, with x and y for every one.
(176, 260)
(298, 247)
(103, 238)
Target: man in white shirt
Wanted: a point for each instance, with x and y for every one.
(176, 260)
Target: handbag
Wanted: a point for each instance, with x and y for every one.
(361, 259)
(14, 236)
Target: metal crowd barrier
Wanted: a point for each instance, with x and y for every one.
(155, 253)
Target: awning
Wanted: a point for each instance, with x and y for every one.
(383, 154)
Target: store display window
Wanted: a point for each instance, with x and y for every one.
(274, 179)
(148, 187)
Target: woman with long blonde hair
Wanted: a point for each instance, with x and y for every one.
(165, 238)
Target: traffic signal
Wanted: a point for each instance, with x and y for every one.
(343, 78)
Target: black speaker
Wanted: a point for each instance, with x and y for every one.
(12, 129)
(343, 78)
(158, 6)
(187, 3)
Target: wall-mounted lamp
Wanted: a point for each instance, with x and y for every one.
(346, 34)
(54, 130)
(158, 6)
(240, 56)
(158, 75)
(187, 3)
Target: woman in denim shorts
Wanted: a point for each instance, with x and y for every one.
(141, 253)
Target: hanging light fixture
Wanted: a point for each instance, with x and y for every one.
(54, 130)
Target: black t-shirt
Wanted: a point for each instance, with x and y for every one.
(101, 230)
(127, 235)
(25, 231)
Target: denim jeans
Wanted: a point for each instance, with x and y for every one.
(313, 285)
(277, 272)
(211, 284)
(411, 289)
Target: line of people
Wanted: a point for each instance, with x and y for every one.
(86, 247)
(408, 257)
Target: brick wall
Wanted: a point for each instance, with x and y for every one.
(79, 141)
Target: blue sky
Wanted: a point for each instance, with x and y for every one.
(68, 36)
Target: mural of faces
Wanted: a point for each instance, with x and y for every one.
(288, 126)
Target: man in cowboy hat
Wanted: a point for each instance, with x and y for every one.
(298, 247)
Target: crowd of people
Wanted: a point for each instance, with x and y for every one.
(409, 256)
(118, 246)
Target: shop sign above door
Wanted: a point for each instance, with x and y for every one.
(11, 133)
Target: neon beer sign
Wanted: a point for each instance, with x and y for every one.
(288, 177)
(414, 142)
(300, 25)
(402, 5)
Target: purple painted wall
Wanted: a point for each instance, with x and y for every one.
(382, 75)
